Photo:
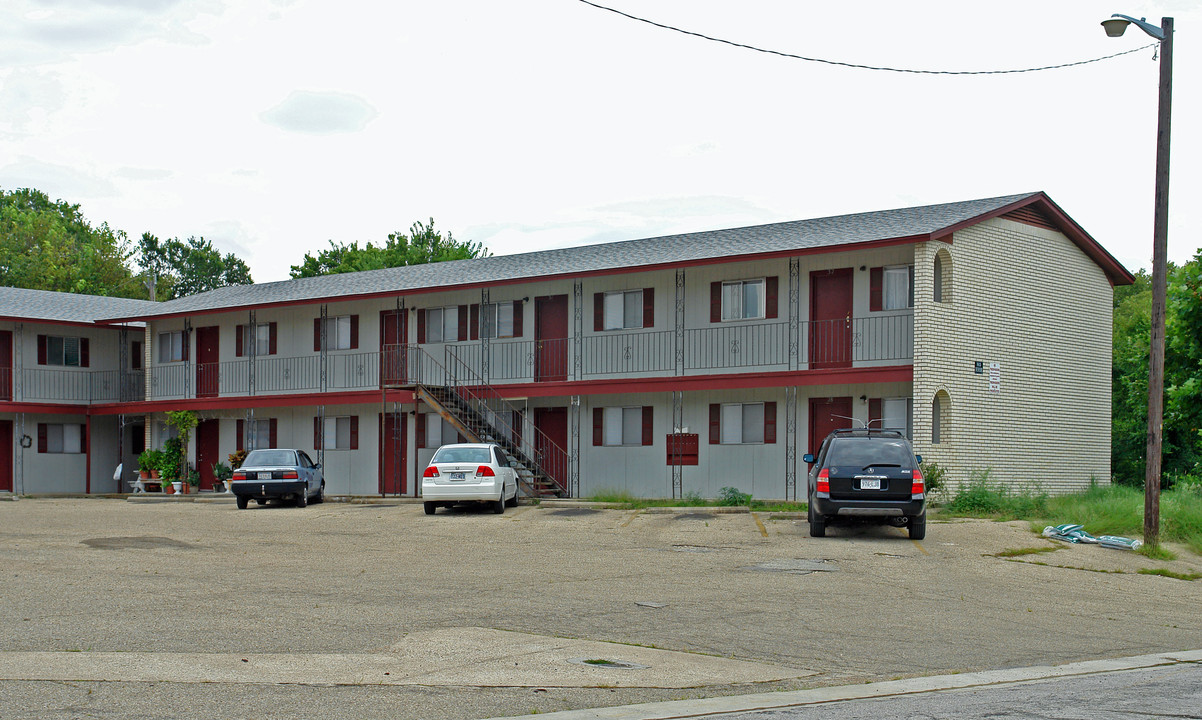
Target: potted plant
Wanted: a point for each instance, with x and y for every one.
(223, 473)
(236, 459)
(184, 421)
(147, 464)
(193, 479)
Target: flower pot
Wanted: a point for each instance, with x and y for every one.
(144, 474)
(154, 474)
(177, 488)
(166, 488)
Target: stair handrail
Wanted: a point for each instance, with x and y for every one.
(544, 453)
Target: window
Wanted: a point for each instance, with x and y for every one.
(743, 300)
(936, 422)
(496, 320)
(617, 426)
(433, 431)
(257, 434)
(891, 288)
(62, 351)
(166, 432)
(338, 333)
(442, 324)
(171, 346)
(743, 423)
(623, 310)
(890, 414)
(938, 292)
(258, 339)
(340, 433)
(623, 426)
(61, 438)
(135, 355)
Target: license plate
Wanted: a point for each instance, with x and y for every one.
(458, 476)
(870, 484)
(265, 475)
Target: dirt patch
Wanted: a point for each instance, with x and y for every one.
(136, 543)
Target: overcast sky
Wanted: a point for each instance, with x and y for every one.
(273, 126)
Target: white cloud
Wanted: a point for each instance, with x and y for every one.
(320, 113)
(57, 181)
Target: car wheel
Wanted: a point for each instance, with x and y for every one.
(303, 499)
(430, 508)
(513, 501)
(321, 493)
(817, 522)
(242, 501)
(918, 527)
(498, 505)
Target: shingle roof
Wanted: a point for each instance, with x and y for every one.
(49, 306)
(798, 235)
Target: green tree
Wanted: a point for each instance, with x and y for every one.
(1183, 369)
(423, 244)
(50, 245)
(1129, 369)
(188, 267)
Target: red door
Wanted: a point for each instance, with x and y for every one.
(551, 339)
(208, 361)
(551, 442)
(208, 451)
(6, 366)
(830, 318)
(827, 414)
(394, 334)
(392, 453)
(6, 455)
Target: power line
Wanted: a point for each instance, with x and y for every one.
(857, 65)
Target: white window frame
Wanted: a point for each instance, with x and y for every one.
(897, 287)
(623, 310)
(338, 332)
(734, 300)
(60, 436)
(440, 332)
(68, 349)
(171, 347)
(741, 423)
(494, 322)
(336, 433)
(622, 426)
(262, 336)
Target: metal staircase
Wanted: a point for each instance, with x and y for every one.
(478, 412)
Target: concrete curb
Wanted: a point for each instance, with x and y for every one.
(795, 698)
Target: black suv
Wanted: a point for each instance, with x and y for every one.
(867, 474)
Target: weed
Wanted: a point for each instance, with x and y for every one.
(1170, 574)
(1016, 552)
(981, 498)
(597, 661)
(730, 496)
(1157, 552)
(934, 474)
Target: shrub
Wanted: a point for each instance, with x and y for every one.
(733, 496)
(934, 475)
(981, 498)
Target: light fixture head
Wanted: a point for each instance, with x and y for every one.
(1115, 27)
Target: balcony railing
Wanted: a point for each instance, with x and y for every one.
(744, 347)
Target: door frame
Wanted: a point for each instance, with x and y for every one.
(208, 371)
(398, 460)
(824, 336)
(208, 437)
(558, 463)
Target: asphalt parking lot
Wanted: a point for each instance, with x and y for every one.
(196, 610)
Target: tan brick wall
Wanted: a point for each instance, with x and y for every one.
(1029, 299)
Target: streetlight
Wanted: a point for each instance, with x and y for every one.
(1115, 26)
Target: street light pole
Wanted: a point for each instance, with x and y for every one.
(1160, 247)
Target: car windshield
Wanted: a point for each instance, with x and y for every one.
(258, 458)
(863, 452)
(461, 455)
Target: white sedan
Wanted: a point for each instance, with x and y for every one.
(470, 472)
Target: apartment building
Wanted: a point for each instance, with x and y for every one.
(658, 367)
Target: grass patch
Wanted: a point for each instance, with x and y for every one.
(1018, 552)
(1103, 510)
(1157, 552)
(1170, 574)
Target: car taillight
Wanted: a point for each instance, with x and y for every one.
(485, 471)
(824, 480)
(430, 472)
(239, 475)
(919, 487)
(290, 475)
